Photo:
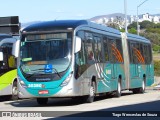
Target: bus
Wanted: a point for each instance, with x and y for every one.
(81, 59)
(9, 35)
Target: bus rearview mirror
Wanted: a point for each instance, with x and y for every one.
(78, 44)
(1, 56)
(15, 49)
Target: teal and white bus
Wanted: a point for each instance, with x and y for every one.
(81, 59)
(9, 48)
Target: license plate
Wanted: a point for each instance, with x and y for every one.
(43, 92)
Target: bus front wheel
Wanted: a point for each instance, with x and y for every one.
(90, 98)
(42, 101)
(14, 91)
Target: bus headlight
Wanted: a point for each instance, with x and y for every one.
(22, 83)
(66, 81)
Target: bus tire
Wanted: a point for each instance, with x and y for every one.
(90, 98)
(141, 89)
(42, 101)
(135, 91)
(118, 91)
(14, 95)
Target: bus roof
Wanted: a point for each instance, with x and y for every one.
(54, 25)
(137, 38)
(64, 24)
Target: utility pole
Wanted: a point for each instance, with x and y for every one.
(125, 11)
(138, 27)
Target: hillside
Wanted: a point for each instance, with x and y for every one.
(95, 18)
(114, 15)
(108, 16)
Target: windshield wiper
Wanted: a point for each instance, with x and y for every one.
(55, 71)
(40, 70)
(32, 75)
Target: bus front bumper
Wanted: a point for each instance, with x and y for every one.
(38, 93)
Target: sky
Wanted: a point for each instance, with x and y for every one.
(45, 10)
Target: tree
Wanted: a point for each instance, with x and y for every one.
(156, 48)
(122, 30)
(132, 30)
(113, 25)
(133, 25)
(153, 30)
(146, 24)
(157, 25)
(154, 37)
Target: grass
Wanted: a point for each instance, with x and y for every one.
(156, 56)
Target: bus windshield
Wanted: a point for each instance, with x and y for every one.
(41, 50)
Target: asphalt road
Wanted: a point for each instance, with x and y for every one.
(103, 108)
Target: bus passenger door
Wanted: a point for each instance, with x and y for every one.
(112, 57)
(98, 55)
(107, 79)
(148, 58)
(134, 67)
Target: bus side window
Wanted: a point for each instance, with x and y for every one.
(136, 53)
(112, 53)
(81, 54)
(115, 48)
(1, 62)
(133, 55)
(89, 48)
(11, 60)
(119, 50)
(105, 45)
(147, 53)
(80, 59)
(4, 63)
(98, 49)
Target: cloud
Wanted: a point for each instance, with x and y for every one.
(59, 11)
(80, 15)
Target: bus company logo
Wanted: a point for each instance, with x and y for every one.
(21, 114)
(108, 72)
(6, 114)
(43, 79)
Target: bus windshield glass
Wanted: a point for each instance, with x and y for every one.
(46, 53)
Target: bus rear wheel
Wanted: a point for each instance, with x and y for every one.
(14, 91)
(42, 101)
(118, 92)
(141, 89)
